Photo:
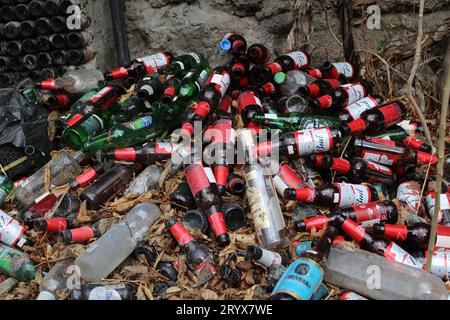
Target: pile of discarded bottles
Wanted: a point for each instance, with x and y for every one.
(300, 147)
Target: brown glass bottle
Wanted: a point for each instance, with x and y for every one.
(108, 185)
(149, 153)
(319, 87)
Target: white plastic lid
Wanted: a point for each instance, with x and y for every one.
(45, 295)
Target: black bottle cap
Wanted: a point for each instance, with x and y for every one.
(300, 226)
(148, 251)
(234, 216)
(66, 235)
(224, 239)
(196, 219)
(168, 270)
(40, 225)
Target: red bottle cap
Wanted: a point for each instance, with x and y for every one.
(86, 177)
(203, 109)
(325, 101)
(426, 158)
(340, 165)
(313, 89)
(82, 234)
(181, 235)
(119, 73)
(217, 223)
(264, 148)
(356, 126)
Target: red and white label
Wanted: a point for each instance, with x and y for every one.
(355, 109)
(221, 81)
(269, 258)
(440, 264)
(158, 60)
(355, 92)
(246, 99)
(430, 201)
(290, 177)
(10, 229)
(408, 126)
(379, 167)
(100, 94)
(443, 237)
(345, 68)
(379, 157)
(300, 59)
(409, 192)
(197, 178)
(164, 148)
(354, 230)
(395, 253)
(392, 114)
(350, 295)
(351, 194)
(312, 141)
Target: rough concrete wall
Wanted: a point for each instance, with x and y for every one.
(197, 25)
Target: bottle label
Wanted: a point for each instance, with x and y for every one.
(257, 207)
(301, 279)
(163, 148)
(139, 123)
(201, 80)
(379, 167)
(197, 178)
(269, 258)
(395, 253)
(350, 295)
(440, 264)
(379, 157)
(221, 81)
(10, 229)
(370, 213)
(351, 194)
(156, 61)
(345, 68)
(444, 210)
(409, 192)
(317, 222)
(310, 141)
(217, 223)
(100, 94)
(443, 237)
(290, 177)
(106, 293)
(355, 92)
(92, 125)
(280, 185)
(395, 232)
(246, 99)
(408, 126)
(355, 109)
(300, 59)
(301, 247)
(391, 114)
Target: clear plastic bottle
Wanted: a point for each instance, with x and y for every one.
(375, 277)
(221, 55)
(79, 81)
(56, 278)
(63, 169)
(145, 181)
(114, 246)
(262, 198)
(292, 80)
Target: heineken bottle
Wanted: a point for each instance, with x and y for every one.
(127, 134)
(182, 64)
(286, 124)
(189, 88)
(16, 264)
(6, 186)
(396, 133)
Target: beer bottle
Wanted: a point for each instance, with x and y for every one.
(338, 69)
(52, 224)
(12, 232)
(235, 43)
(341, 195)
(249, 106)
(357, 169)
(16, 264)
(340, 97)
(265, 257)
(364, 214)
(169, 89)
(149, 153)
(82, 234)
(319, 87)
(239, 66)
(354, 110)
(376, 243)
(181, 65)
(303, 277)
(150, 88)
(89, 175)
(258, 54)
(286, 178)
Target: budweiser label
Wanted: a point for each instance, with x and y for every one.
(395, 253)
(311, 141)
(350, 194)
(355, 92)
(409, 192)
(358, 107)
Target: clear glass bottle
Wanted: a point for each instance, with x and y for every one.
(114, 246)
(79, 81)
(262, 198)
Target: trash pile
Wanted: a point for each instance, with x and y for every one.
(225, 175)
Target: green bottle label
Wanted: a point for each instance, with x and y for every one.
(139, 123)
(315, 122)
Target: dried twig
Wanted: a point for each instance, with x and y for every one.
(426, 131)
(441, 151)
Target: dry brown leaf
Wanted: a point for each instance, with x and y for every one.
(47, 178)
(208, 294)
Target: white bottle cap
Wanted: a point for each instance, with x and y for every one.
(46, 295)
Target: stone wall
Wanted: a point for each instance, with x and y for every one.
(197, 25)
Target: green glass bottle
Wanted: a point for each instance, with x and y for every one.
(16, 264)
(288, 124)
(127, 134)
(6, 186)
(189, 87)
(30, 95)
(130, 107)
(182, 64)
(397, 134)
(76, 107)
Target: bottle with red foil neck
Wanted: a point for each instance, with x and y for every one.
(338, 70)
(377, 119)
(217, 222)
(47, 84)
(104, 99)
(365, 214)
(84, 179)
(222, 138)
(340, 97)
(149, 153)
(357, 170)
(416, 235)
(376, 243)
(239, 66)
(387, 152)
(341, 195)
(417, 144)
(302, 143)
(285, 178)
(319, 87)
(354, 110)
(53, 224)
(261, 74)
(249, 105)
(205, 195)
(236, 43)
(140, 67)
(198, 256)
(258, 54)
(82, 234)
(170, 86)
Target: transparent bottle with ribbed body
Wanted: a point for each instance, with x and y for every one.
(63, 169)
(114, 246)
(262, 197)
(376, 277)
